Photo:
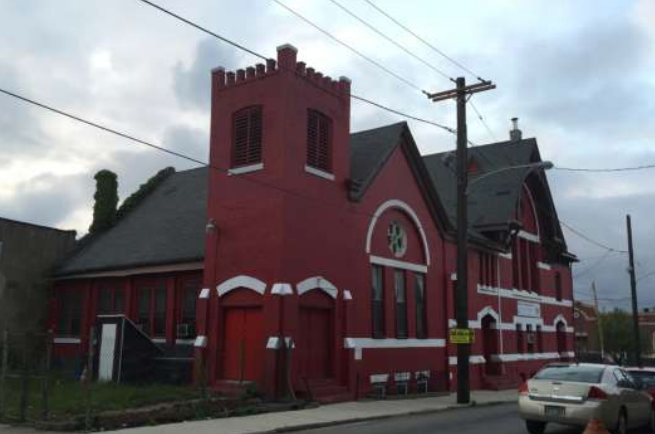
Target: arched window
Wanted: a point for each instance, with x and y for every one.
(319, 141)
(247, 134)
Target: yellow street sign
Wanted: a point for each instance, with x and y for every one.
(462, 336)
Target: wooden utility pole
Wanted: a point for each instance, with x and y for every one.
(461, 94)
(599, 322)
(633, 288)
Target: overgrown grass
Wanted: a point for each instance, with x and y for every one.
(68, 398)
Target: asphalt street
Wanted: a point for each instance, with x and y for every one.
(496, 419)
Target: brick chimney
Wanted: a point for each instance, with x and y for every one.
(515, 134)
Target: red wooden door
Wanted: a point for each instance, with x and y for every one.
(243, 344)
(315, 356)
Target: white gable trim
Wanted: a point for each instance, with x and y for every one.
(488, 310)
(317, 282)
(399, 204)
(241, 282)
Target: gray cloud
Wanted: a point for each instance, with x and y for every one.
(191, 83)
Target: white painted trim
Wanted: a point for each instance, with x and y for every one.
(523, 356)
(505, 255)
(241, 282)
(135, 271)
(402, 376)
(398, 264)
(320, 173)
(534, 208)
(528, 236)
(347, 295)
(159, 340)
(422, 374)
(379, 378)
(488, 310)
(273, 343)
(317, 282)
(184, 341)
(245, 169)
(522, 295)
(201, 341)
(543, 266)
(453, 276)
(396, 203)
(474, 360)
(393, 343)
(282, 289)
(67, 340)
(204, 293)
(560, 318)
(508, 326)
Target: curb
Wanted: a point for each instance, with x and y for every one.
(317, 425)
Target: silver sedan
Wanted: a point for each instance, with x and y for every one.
(573, 394)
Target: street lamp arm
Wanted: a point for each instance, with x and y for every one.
(546, 165)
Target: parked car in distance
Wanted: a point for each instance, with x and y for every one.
(575, 393)
(645, 377)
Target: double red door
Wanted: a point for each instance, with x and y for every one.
(243, 344)
(314, 345)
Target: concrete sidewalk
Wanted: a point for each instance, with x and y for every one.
(326, 415)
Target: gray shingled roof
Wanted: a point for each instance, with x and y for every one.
(492, 201)
(168, 226)
(369, 151)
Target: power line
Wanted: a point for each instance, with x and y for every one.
(484, 122)
(261, 56)
(351, 48)
(402, 47)
(432, 47)
(605, 170)
(589, 239)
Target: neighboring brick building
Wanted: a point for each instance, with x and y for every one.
(586, 328)
(28, 255)
(341, 243)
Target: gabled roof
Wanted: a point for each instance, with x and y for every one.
(492, 201)
(168, 226)
(369, 152)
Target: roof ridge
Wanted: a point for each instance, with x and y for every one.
(378, 128)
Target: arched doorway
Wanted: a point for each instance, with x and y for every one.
(560, 334)
(314, 352)
(243, 341)
(490, 343)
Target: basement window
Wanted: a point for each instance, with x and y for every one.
(247, 131)
(319, 138)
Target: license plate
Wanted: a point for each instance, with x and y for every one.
(554, 411)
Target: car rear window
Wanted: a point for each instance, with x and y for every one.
(580, 374)
(644, 377)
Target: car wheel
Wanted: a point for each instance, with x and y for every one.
(622, 424)
(535, 427)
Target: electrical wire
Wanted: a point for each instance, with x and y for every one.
(432, 47)
(349, 47)
(606, 170)
(589, 239)
(394, 42)
(260, 56)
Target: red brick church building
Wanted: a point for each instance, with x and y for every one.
(341, 243)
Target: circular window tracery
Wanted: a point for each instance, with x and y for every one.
(397, 239)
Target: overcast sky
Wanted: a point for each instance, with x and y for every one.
(577, 74)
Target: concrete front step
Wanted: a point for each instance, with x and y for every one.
(324, 391)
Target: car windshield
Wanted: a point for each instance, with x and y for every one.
(577, 373)
(644, 377)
